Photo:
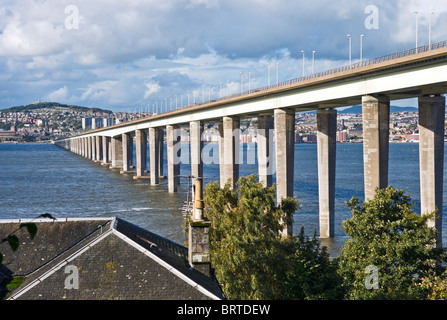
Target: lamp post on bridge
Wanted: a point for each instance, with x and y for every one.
(417, 18)
(302, 51)
(429, 29)
(349, 37)
(277, 73)
(361, 48)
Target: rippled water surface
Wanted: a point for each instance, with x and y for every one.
(36, 179)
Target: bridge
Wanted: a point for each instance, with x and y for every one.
(417, 73)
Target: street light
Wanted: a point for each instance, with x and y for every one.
(277, 74)
(417, 18)
(349, 36)
(302, 51)
(429, 30)
(249, 82)
(268, 67)
(313, 62)
(361, 48)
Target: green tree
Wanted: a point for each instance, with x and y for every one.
(385, 233)
(251, 257)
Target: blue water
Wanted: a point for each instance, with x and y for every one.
(36, 179)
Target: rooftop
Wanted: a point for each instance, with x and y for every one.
(99, 259)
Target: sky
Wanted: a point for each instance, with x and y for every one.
(130, 56)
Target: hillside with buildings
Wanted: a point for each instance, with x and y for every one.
(46, 121)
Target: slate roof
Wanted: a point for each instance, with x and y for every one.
(108, 258)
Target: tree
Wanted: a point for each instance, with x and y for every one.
(387, 235)
(250, 256)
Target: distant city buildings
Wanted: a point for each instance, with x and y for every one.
(47, 124)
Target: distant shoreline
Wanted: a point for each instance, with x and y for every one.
(36, 142)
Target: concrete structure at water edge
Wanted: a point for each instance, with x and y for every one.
(417, 73)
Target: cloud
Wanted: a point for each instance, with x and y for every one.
(60, 94)
(126, 54)
(152, 87)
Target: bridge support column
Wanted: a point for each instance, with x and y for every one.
(127, 152)
(105, 150)
(431, 158)
(141, 153)
(265, 149)
(326, 153)
(98, 148)
(196, 147)
(161, 152)
(93, 139)
(376, 133)
(89, 148)
(173, 146)
(285, 156)
(83, 147)
(117, 153)
(230, 152)
(109, 142)
(221, 153)
(154, 149)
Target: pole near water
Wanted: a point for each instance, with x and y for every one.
(198, 248)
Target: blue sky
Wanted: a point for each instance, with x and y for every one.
(127, 55)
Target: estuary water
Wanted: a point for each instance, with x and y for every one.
(36, 179)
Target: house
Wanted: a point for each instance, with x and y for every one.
(99, 259)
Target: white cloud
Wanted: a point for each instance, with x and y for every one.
(60, 94)
(129, 53)
(98, 91)
(152, 87)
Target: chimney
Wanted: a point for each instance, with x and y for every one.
(198, 249)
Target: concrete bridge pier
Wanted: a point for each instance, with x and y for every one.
(265, 149)
(109, 143)
(196, 147)
(376, 135)
(173, 146)
(117, 152)
(89, 148)
(141, 154)
(83, 147)
(98, 148)
(229, 164)
(326, 155)
(161, 153)
(127, 144)
(285, 155)
(93, 141)
(431, 158)
(154, 155)
(105, 150)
